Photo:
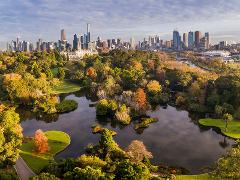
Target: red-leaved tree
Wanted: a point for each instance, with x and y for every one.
(41, 142)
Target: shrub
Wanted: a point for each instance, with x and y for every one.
(106, 107)
(5, 175)
(66, 106)
(92, 161)
(145, 123)
(122, 115)
(45, 176)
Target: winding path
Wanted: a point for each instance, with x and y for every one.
(23, 171)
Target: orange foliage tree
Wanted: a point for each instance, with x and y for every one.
(140, 99)
(41, 142)
(91, 72)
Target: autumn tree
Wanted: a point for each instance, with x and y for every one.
(41, 142)
(91, 72)
(137, 151)
(140, 99)
(154, 87)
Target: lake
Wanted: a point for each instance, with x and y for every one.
(174, 140)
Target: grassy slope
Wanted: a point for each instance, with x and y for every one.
(57, 140)
(233, 130)
(66, 87)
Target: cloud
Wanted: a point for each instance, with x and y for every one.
(124, 18)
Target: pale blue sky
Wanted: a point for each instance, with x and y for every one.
(31, 19)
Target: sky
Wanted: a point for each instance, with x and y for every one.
(33, 19)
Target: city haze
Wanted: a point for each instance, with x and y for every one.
(44, 19)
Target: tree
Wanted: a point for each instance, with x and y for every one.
(228, 166)
(133, 171)
(86, 173)
(45, 176)
(140, 99)
(41, 142)
(61, 73)
(227, 118)
(154, 87)
(137, 151)
(10, 136)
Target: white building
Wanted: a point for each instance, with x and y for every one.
(78, 55)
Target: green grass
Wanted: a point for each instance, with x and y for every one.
(194, 177)
(233, 129)
(66, 87)
(57, 140)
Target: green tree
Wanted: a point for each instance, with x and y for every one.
(227, 118)
(228, 166)
(10, 136)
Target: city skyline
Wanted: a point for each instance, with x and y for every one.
(125, 19)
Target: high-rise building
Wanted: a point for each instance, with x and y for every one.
(63, 35)
(185, 40)
(132, 43)
(76, 43)
(88, 34)
(109, 42)
(207, 39)
(190, 40)
(197, 38)
(176, 40)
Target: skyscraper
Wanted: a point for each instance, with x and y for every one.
(185, 39)
(207, 39)
(190, 40)
(176, 40)
(63, 35)
(132, 43)
(76, 43)
(197, 38)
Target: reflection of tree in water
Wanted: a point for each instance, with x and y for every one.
(224, 143)
(104, 121)
(48, 118)
(29, 115)
(86, 92)
(25, 114)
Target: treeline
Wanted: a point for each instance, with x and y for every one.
(130, 82)
(27, 79)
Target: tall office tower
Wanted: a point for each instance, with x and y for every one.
(109, 43)
(176, 40)
(203, 44)
(88, 34)
(31, 47)
(63, 35)
(76, 43)
(197, 38)
(190, 40)
(39, 44)
(185, 39)
(119, 41)
(132, 43)
(207, 39)
(99, 41)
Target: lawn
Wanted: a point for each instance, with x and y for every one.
(57, 140)
(194, 177)
(233, 129)
(66, 87)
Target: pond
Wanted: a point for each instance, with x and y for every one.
(174, 140)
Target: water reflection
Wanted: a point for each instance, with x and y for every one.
(173, 140)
